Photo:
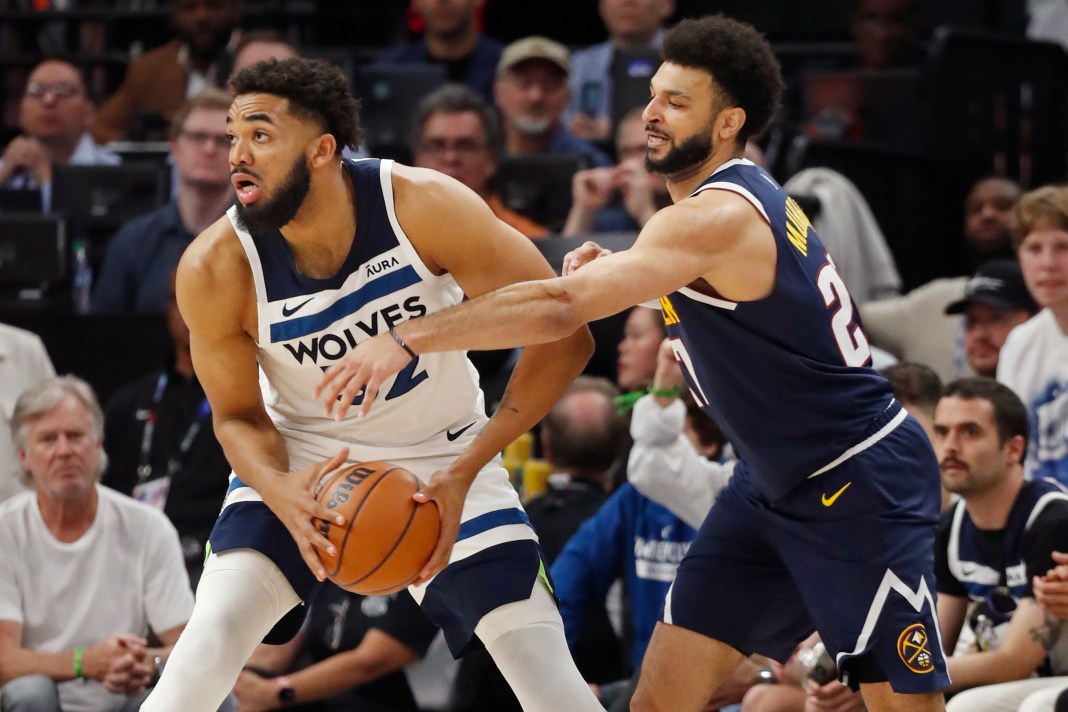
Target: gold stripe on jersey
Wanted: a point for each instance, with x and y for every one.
(670, 317)
(797, 226)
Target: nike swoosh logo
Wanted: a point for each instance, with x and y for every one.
(452, 436)
(828, 501)
(286, 311)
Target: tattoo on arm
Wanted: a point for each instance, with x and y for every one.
(1045, 634)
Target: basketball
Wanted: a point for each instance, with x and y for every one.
(387, 536)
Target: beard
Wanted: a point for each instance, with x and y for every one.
(529, 125)
(273, 214)
(684, 156)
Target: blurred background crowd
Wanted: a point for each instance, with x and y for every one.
(926, 140)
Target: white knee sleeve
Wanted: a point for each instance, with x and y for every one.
(241, 596)
(526, 640)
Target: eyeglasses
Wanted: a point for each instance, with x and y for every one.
(60, 90)
(465, 146)
(200, 138)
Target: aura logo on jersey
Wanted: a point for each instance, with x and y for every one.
(912, 649)
(331, 347)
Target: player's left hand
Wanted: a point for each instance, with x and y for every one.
(362, 370)
(583, 254)
(448, 490)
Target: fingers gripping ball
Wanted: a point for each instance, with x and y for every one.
(387, 536)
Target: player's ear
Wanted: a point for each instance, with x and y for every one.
(729, 122)
(326, 150)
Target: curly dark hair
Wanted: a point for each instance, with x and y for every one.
(740, 61)
(316, 90)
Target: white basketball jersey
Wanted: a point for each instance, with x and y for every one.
(306, 325)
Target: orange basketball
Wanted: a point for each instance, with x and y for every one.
(387, 536)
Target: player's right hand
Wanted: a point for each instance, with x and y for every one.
(291, 496)
(583, 254)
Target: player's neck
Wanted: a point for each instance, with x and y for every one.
(990, 510)
(321, 234)
(680, 185)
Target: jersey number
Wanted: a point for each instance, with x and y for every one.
(847, 334)
(405, 380)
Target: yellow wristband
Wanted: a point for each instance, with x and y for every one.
(78, 653)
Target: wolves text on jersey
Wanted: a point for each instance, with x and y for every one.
(332, 346)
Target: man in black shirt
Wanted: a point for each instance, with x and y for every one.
(991, 542)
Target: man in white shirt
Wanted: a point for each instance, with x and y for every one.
(87, 572)
(1034, 359)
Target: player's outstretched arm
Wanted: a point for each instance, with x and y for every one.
(216, 298)
(672, 250)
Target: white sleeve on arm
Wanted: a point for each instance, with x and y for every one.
(666, 468)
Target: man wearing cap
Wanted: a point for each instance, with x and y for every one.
(995, 301)
(531, 92)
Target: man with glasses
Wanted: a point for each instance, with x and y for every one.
(457, 133)
(143, 254)
(54, 115)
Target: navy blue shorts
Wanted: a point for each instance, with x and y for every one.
(455, 600)
(849, 553)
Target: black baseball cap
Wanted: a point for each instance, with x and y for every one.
(999, 284)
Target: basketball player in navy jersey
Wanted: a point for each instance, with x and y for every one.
(318, 255)
(830, 517)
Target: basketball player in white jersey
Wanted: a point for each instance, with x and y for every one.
(318, 255)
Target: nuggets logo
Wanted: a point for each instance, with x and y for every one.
(913, 651)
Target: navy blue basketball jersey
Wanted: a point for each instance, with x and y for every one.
(787, 377)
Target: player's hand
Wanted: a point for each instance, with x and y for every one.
(582, 255)
(362, 370)
(291, 496)
(447, 490)
(832, 697)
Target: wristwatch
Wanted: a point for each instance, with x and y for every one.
(286, 693)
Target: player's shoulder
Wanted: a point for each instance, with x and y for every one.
(424, 186)
(216, 253)
(708, 213)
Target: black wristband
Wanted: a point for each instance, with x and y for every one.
(399, 340)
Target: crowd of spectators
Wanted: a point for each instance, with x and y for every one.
(105, 509)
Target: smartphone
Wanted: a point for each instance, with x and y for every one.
(590, 98)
